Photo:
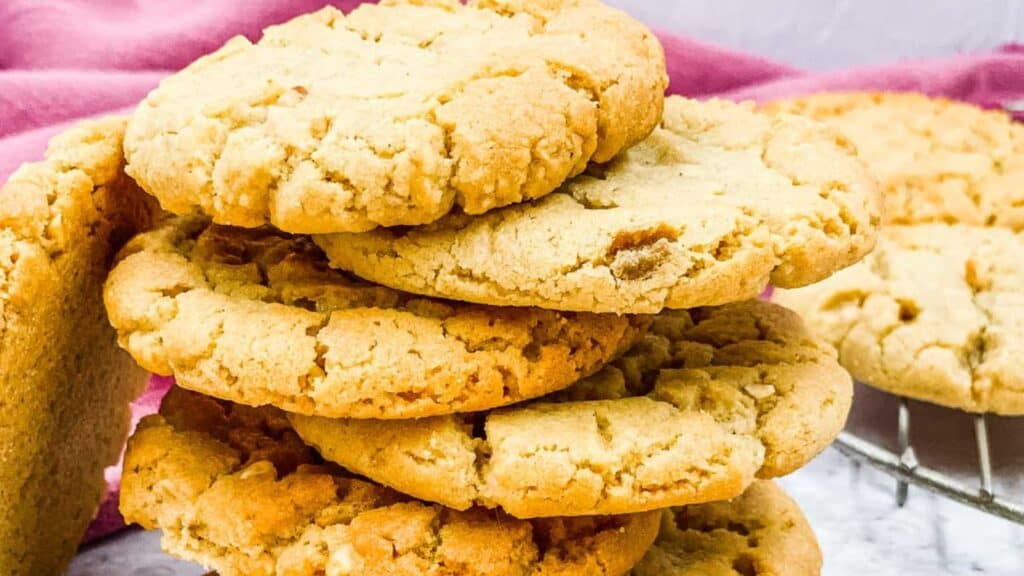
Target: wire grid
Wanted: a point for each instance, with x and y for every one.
(907, 470)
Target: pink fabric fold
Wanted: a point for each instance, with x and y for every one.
(69, 59)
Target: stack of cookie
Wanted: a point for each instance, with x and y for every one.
(935, 312)
(416, 301)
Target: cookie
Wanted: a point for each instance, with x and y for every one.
(234, 488)
(255, 316)
(936, 313)
(938, 161)
(708, 400)
(398, 113)
(716, 203)
(762, 532)
(64, 383)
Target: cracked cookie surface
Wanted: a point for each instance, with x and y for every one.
(234, 489)
(708, 400)
(935, 313)
(65, 386)
(715, 203)
(762, 532)
(397, 113)
(937, 160)
(255, 316)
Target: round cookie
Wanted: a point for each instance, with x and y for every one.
(938, 160)
(708, 400)
(936, 313)
(257, 317)
(235, 489)
(398, 113)
(762, 532)
(715, 203)
(65, 386)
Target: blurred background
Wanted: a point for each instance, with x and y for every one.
(829, 34)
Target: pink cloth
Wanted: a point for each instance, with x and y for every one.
(67, 59)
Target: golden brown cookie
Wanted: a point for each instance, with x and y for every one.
(763, 533)
(257, 317)
(64, 384)
(235, 489)
(935, 313)
(937, 160)
(708, 400)
(716, 203)
(397, 113)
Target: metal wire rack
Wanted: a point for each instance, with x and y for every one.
(907, 470)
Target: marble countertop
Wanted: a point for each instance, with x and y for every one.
(852, 508)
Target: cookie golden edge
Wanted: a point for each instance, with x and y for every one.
(234, 488)
(617, 98)
(65, 383)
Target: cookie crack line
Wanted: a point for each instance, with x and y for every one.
(294, 150)
(707, 401)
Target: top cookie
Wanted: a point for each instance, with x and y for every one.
(716, 202)
(938, 160)
(396, 113)
(65, 386)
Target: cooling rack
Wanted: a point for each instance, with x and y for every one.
(906, 469)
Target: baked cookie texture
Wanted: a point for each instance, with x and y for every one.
(938, 161)
(935, 313)
(255, 316)
(715, 203)
(762, 532)
(64, 383)
(709, 400)
(398, 113)
(234, 488)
